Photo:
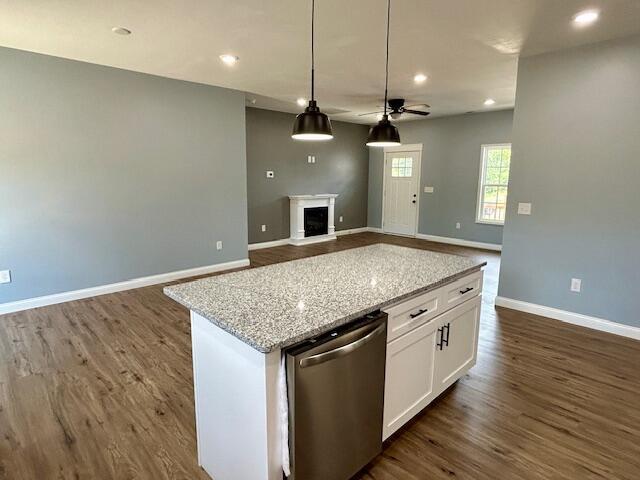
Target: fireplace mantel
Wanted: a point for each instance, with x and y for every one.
(297, 205)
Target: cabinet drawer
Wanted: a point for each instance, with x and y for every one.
(463, 289)
(412, 313)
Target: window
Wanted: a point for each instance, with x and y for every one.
(401, 167)
(494, 183)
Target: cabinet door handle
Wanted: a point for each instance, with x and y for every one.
(466, 290)
(445, 341)
(418, 313)
(439, 342)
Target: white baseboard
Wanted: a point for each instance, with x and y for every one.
(273, 243)
(461, 242)
(352, 231)
(117, 287)
(374, 230)
(594, 323)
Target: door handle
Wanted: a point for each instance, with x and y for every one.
(418, 313)
(445, 341)
(342, 351)
(466, 290)
(441, 332)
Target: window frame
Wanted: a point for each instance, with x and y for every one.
(479, 203)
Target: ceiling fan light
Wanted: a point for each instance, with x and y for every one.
(383, 134)
(312, 124)
(395, 115)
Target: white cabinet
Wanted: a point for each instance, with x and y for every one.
(459, 346)
(412, 313)
(409, 376)
(426, 354)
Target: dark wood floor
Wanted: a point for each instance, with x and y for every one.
(102, 388)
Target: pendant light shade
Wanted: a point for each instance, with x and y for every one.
(384, 134)
(312, 124)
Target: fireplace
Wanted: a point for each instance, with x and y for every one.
(311, 218)
(316, 221)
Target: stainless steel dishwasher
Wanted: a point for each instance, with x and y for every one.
(336, 394)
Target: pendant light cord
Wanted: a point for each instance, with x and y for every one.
(386, 79)
(313, 11)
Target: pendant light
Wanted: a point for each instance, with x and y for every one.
(384, 134)
(312, 124)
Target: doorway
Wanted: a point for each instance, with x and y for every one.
(401, 186)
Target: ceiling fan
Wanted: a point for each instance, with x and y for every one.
(397, 109)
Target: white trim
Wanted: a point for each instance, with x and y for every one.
(273, 243)
(483, 149)
(410, 148)
(312, 239)
(573, 318)
(459, 241)
(352, 231)
(28, 303)
(374, 230)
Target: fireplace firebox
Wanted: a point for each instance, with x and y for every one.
(316, 221)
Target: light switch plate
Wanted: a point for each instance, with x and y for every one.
(340, 219)
(270, 174)
(5, 276)
(264, 228)
(457, 225)
(576, 285)
(219, 245)
(428, 189)
(524, 209)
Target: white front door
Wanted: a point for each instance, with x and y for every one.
(401, 182)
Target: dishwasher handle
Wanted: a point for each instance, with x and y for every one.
(344, 350)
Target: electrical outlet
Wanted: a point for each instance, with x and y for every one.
(264, 228)
(5, 276)
(457, 225)
(311, 159)
(340, 219)
(270, 174)
(524, 209)
(576, 285)
(219, 245)
(428, 189)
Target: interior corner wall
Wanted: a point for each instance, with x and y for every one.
(108, 175)
(451, 159)
(576, 158)
(341, 166)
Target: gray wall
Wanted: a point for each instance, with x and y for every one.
(576, 157)
(341, 167)
(108, 175)
(451, 164)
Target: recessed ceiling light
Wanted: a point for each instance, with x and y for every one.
(121, 31)
(229, 59)
(489, 101)
(586, 17)
(420, 78)
(301, 101)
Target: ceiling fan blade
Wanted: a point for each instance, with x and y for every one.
(370, 113)
(416, 112)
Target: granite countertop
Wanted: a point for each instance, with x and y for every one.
(278, 305)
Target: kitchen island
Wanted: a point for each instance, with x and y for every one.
(241, 321)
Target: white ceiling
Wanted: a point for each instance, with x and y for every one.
(468, 48)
